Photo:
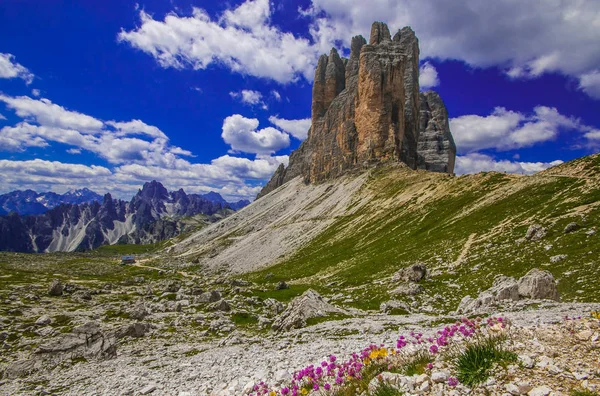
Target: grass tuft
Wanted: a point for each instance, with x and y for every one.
(474, 364)
(385, 389)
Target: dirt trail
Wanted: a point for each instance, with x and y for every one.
(182, 273)
(465, 250)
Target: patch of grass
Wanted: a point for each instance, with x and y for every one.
(191, 352)
(284, 295)
(116, 313)
(474, 364)
(79, 359)
(125, 249)
(244, 319)
(60, 320)
(582, 392)
(416, 365)
(385, 389)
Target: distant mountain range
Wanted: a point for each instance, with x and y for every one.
(83, 220)
(29, 202)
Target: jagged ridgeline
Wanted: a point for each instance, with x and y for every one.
(367, 109)
(153, 214)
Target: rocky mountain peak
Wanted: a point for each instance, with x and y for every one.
(379, 33)
(368, 109)
(153, 190)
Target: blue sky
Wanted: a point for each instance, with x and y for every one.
(214, 95)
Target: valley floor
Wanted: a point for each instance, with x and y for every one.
(182, 365)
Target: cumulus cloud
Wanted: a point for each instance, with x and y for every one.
(554, 36)
(242, 39)
(2, 117)
(36, 92)
(296, 128)
(9, 68)
(136, 127)
(507, 130)
(276, 95)
(138, 151)
(41, 175)
(593, 135)
(590, 83)
(242, 135)
(46, 113)
(249, 97)
(477, 162)
(428, 76)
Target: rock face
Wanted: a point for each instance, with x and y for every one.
(367, 109)
(436, 148)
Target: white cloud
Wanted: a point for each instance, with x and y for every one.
(136, 127)
(11, 69)
(527, 38)
(506, 130)
(2, 117)
(296, 128)
(593, 135)
(141, 152)
(42, 175)
(46, 113)
(276, 95)
(476, 162)
(428, 76)
(249, 97)
(243, 40)
(35, 92)
(242, 135)
(590, 83)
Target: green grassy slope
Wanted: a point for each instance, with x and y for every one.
(465, 229)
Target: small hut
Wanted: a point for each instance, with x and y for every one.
(128, 259)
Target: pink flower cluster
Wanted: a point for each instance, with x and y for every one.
(331, 372)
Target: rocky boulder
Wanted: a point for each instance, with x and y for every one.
(538, 285)
(414, 273)
(273, 306)
(56, 288)
(571, 227)
(407, 289)
(394, 307)
(87, 341)
(208, 297)
(22, 368)
(535, 285)
(138, 311)
(132, 330)
(535, 232)
(307, 306)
